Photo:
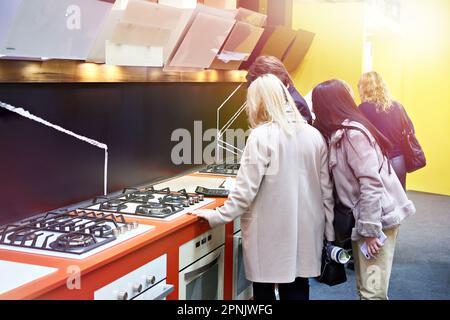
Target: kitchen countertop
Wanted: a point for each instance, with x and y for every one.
(47, 282)
(12, 273)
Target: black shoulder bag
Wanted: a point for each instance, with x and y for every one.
(411, 149)
(343, 222)
(331, 273)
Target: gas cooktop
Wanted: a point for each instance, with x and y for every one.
(150, 203)
(222, 169)
(76, 234)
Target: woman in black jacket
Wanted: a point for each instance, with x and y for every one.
(272, 65)
(386, 115)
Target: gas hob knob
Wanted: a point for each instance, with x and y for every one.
(191, 201)
(200, 197)
(132, 225)
(151, 280)
(122, 295)
(137, 288)
(185, 203)
(123, 229)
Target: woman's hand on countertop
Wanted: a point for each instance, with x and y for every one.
(203, 213)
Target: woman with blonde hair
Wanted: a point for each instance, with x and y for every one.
(283, 195)
(386, 115)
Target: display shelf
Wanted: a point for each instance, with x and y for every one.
(16, 71)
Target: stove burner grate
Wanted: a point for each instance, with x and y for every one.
(115, 204)
(73, 241)
(157, 210)
(23, 235)
(74, 232)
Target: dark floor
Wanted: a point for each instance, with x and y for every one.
(421, 268)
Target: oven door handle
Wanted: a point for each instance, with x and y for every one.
(167, 290)
(194, 274)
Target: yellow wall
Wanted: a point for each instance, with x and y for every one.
(415, 63)
(426, 87)
(336, 51)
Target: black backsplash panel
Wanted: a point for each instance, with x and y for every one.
(42, 169)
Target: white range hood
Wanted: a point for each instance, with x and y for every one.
(222, 4)
(196, 49)
(62, 29)
(139, 33)
(184, 4)
(8, 10)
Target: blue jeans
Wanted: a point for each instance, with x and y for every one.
(398, 164)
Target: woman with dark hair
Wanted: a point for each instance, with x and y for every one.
(386, 115)
(364, 182)
(272, 65)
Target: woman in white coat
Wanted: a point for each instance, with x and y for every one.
(283, 194)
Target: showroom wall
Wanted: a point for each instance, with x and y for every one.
(413, 59)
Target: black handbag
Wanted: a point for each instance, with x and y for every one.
(332, 273)
(411, 148)
(343, 223)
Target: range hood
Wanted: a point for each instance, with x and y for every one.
(197, 49)
(222, 4)
(139, 33)
(184, 4)
(62, 29)
(242, 40)
(180, 35)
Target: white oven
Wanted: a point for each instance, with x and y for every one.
(242, 288)
(202, 266)
(145, 283)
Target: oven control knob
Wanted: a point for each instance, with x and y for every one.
(185, 203)
(122, 295)
(201, 197)
(137, 288)
(191, 201)
(151, 280)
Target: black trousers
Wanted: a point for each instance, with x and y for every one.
(297, 290)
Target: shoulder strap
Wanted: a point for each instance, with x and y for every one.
(359, 129)
(370, 141)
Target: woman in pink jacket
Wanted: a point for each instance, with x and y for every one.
(365, 183)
